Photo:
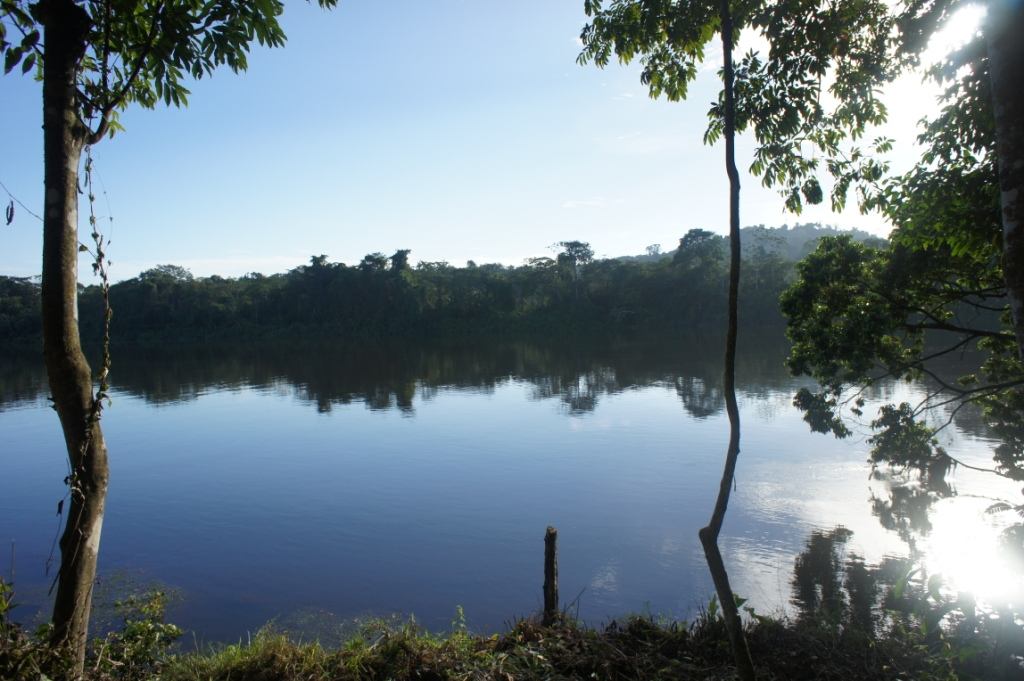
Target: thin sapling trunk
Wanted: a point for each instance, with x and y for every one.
(709, 535)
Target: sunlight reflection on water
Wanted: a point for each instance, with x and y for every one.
(965, 548)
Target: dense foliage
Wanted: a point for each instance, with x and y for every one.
(19, 308)
(938, 290)
(386, 296)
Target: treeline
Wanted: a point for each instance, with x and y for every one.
(387, 296)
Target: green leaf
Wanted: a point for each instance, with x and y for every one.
(901, 584)
(29, 62)
(11, 59)
(30, 40)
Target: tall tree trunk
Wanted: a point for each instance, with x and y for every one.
(709, 534)
(1005, 35)
(65, 28)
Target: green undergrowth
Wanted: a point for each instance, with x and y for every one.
(638, 647)
(635, 648)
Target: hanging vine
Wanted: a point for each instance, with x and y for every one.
(100, 267)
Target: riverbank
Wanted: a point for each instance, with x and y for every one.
(632, 648)
(637, 648)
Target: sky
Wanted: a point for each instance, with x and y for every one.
(459, 129)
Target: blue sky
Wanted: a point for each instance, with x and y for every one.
(460, 129)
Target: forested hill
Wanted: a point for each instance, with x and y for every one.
(387, 296)
(788, 242)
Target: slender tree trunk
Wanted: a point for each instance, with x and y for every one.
(709, 534)
(65, 27)
(1005, 34)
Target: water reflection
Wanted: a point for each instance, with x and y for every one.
(700, 397)
(834, 585)
(905, 505)
(820, 577)
(971, 554)
(22, 380)
(397, 375)
(223, 463)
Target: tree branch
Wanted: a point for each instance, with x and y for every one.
(115, 101)
(21, 30)
(946, 326)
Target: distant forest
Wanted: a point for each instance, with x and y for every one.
(386, 296)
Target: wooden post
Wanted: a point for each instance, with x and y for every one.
(550, 576)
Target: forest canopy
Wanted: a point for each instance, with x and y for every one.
(386, 295)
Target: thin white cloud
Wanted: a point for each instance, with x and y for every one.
(597, 202)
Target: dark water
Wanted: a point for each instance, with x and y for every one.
(295, 479)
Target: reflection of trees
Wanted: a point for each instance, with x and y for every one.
(894, 600)
(819, 575)
(395, 375)
(908, 499)
(579, 392)
(833, 586)
(21, 378)
(700, 398)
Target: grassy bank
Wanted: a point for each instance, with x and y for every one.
(637, 648)
(633, 648)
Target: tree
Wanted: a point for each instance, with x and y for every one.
(400, 260)
(699, 247)
(169, 272)
(848, 49)
(840, 46)
(1005, 53)
(668, 31)
(373, 262)
(949, 281)
(95, 58)
(575, 255)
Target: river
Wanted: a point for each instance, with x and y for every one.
(316, 482)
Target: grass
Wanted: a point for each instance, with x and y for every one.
(634, 648)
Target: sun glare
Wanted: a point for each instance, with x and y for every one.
(964, 548)
(960, 28)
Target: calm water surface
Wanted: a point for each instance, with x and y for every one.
(283, 480)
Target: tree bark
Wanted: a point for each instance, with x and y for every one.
(1005, 36)
(709, 535)
(65, 26)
